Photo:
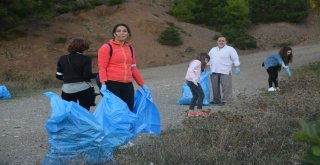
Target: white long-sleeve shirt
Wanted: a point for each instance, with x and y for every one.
(221, 59)
(194, 71)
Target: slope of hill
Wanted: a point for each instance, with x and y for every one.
(39, 51)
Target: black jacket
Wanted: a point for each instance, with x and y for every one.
(74, 67)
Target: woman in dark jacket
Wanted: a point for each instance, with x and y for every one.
(75, 71)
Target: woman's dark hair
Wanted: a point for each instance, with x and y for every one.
(202, 58)
(121, 24)
(78, 45)
(283, 53)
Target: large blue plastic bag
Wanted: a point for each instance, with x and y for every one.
(147, 112)
(186, 94)
(116, 119)
(4, 92)
(74, 135)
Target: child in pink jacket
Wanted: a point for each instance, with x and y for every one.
(192, 79)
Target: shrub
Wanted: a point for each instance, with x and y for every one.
(22, 12)
(239, 38)
(277, 11)
(115, 2)
(170, 36)
(182, 9)
(211, 12)
(238, 10)
(310, 134)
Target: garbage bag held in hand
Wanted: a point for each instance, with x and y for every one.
(147, 113)
(4, 92)
(288, 72)
(116, 119)
(74, 135)
(186, 94)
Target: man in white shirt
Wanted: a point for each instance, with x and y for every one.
(222, 57)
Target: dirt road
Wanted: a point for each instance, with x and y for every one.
(23, 139)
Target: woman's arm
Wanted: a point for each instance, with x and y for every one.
(103, 60)
(59, 73)
(135, 72)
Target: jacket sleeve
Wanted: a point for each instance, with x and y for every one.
(135, 72)
(234, 57)
(59, 73)
(103, 60)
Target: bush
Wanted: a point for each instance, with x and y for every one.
(22, 12)
(310, 134)
(115, 2)
(182, 9)
(277, 11)
(170, 36)
(239, 38)
(238, 10)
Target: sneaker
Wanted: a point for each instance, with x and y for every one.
(128, 145)
(192, 113)
(202, 113)
(271, 89)
(277, 89)
(205, 110)
(216, 103)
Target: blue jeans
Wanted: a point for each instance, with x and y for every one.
(197, 95)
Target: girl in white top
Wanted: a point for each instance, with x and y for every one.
(192, 79)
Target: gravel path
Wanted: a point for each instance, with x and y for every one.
(23, 138)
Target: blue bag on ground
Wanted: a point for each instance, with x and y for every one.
(116, 119)
(147, 113)
(74, 135)
(4, 92)
(186, 94)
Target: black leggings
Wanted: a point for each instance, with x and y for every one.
(125, 91)
(273, 75)
(197, 95)
(86, 97)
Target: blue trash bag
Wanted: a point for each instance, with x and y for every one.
(147, 112)
(74, 135)
(117, 120)
(289, 72)
(4, 92)
(186, 94)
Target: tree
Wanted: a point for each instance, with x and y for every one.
(239, 11)
(182, 9)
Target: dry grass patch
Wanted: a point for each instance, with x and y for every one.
(254, 130)
(21, 83)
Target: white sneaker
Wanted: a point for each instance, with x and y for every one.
(271, 89)
(128, 145)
